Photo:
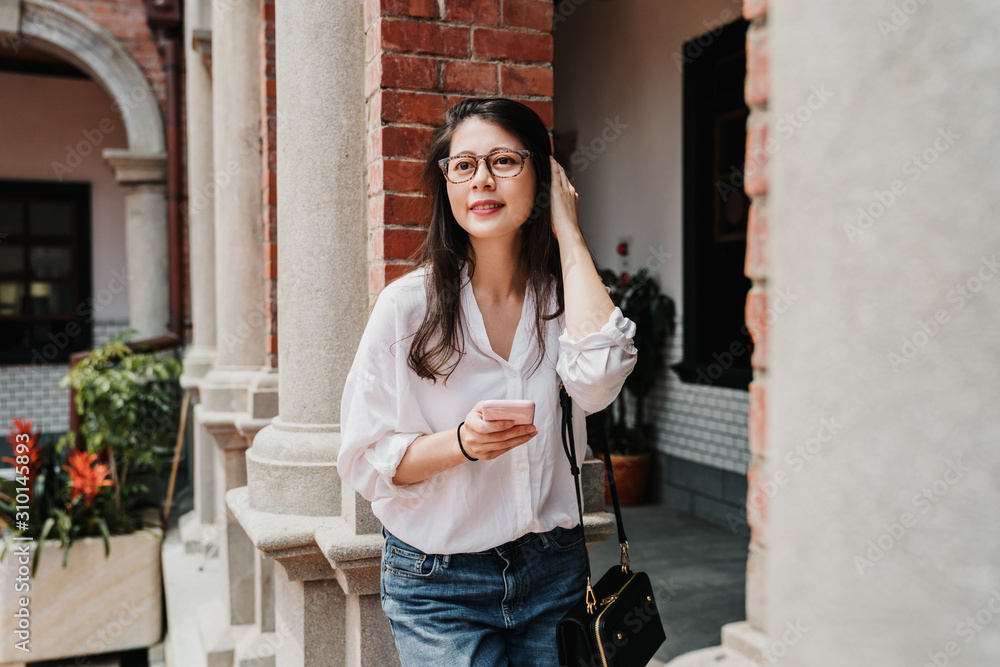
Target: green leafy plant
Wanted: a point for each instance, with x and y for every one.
(641, 300)
(128, 404)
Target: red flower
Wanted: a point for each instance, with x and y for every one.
(86, 477)
(29, 448)
(623, 279)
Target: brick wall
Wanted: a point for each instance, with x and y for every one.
(269, 171)
(421, 58)
(126, 21)
(757, 269)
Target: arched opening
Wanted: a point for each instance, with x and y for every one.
(82, 203)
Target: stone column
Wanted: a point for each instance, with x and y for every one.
(201, 225)
(201, 188)
(875, 493)
(226, 410)
(886, 372)
(144, 178)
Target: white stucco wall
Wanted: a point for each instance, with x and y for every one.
(884, 543)
(617, 64)
(51, 123)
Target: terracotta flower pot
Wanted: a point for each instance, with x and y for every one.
(631, 477)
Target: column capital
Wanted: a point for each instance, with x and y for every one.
(135, 168)
(201, 41)
(198, 362)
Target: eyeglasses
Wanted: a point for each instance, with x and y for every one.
(503, 163)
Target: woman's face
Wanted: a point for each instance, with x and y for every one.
(516, 195)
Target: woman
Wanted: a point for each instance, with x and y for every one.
(483, 548)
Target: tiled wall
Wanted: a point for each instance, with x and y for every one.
(702, 448)
(700, 423)
(32, 390)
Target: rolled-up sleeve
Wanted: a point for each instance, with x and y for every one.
(370, 447)
(372, 442)
(594, 367)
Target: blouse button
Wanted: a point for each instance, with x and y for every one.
(512, 373)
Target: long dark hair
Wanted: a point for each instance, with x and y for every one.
(447, 245)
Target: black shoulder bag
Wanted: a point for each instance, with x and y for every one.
(617, 623)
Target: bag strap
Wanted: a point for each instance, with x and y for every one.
(570, 449)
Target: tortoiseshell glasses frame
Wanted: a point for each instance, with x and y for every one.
(523, 152)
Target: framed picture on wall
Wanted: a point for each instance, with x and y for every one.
(731, 208)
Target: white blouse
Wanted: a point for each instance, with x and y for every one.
(476, 505)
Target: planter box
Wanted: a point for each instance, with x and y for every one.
(96, 604)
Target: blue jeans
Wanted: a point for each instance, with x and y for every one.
(490, 608)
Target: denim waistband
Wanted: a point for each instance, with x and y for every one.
(506, 546)
(513, 544)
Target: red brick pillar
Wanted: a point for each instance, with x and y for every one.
(757, 269)
(421, 59)
(269, 182)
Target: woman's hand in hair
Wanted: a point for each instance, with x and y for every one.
(486, 440)
(565, 202)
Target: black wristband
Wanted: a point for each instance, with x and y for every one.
(465, 453)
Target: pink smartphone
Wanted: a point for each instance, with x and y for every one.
(520, 411)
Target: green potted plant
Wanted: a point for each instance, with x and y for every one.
(86, 495)
(129, 404)
(641, 300)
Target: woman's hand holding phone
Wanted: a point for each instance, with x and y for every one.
(486, 440)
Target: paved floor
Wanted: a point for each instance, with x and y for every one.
(698, 572)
